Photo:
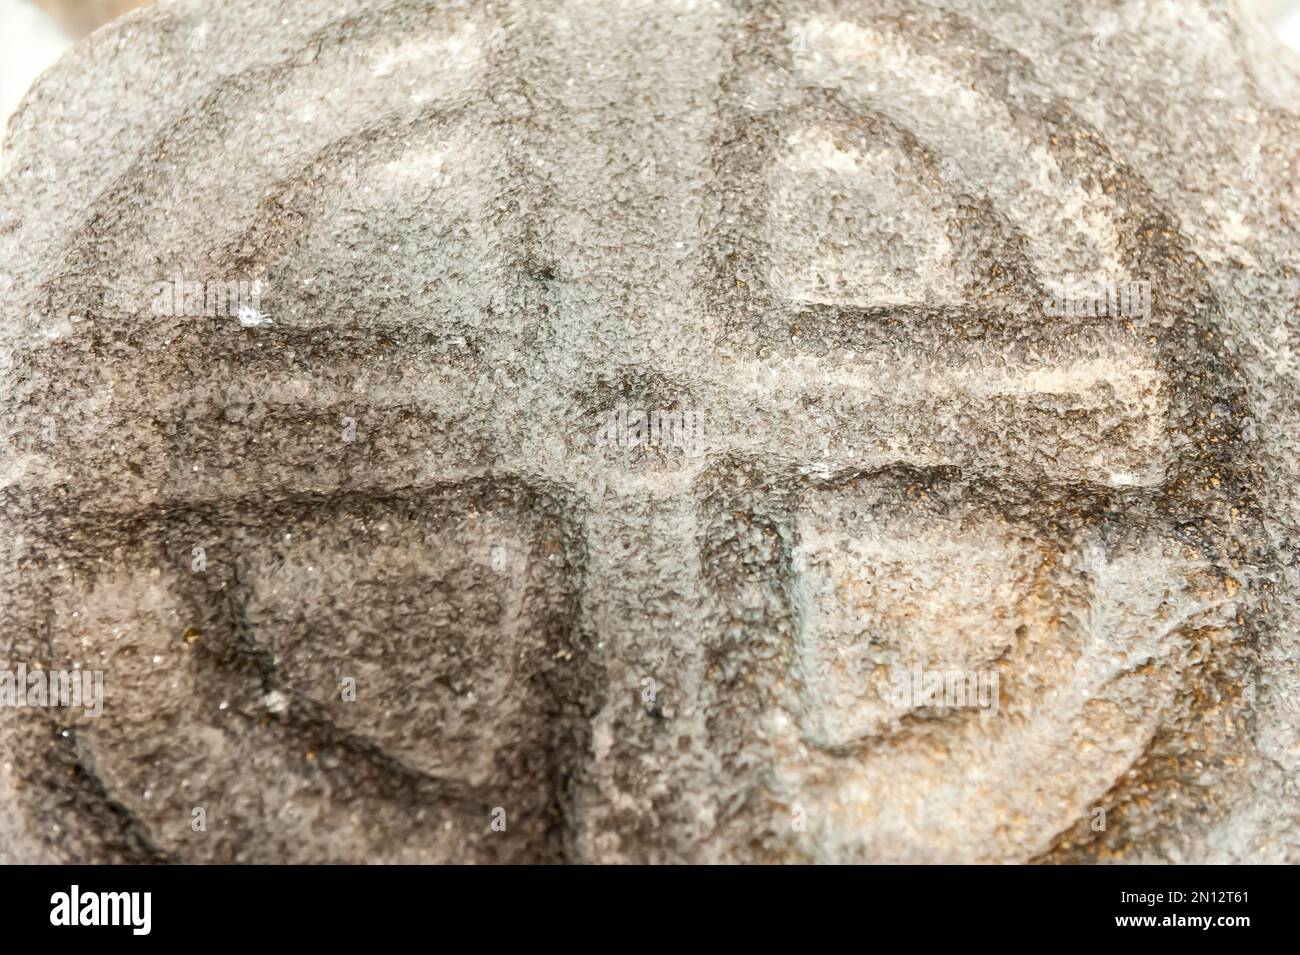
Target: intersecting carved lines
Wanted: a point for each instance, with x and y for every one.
(862, 314)
(940, 559)
(239, 437)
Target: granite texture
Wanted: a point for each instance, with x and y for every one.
(820, 237)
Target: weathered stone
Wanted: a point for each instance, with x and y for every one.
(645, 409)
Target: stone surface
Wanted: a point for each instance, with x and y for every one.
(826, 230)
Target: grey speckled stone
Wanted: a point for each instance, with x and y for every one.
(827, 231)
